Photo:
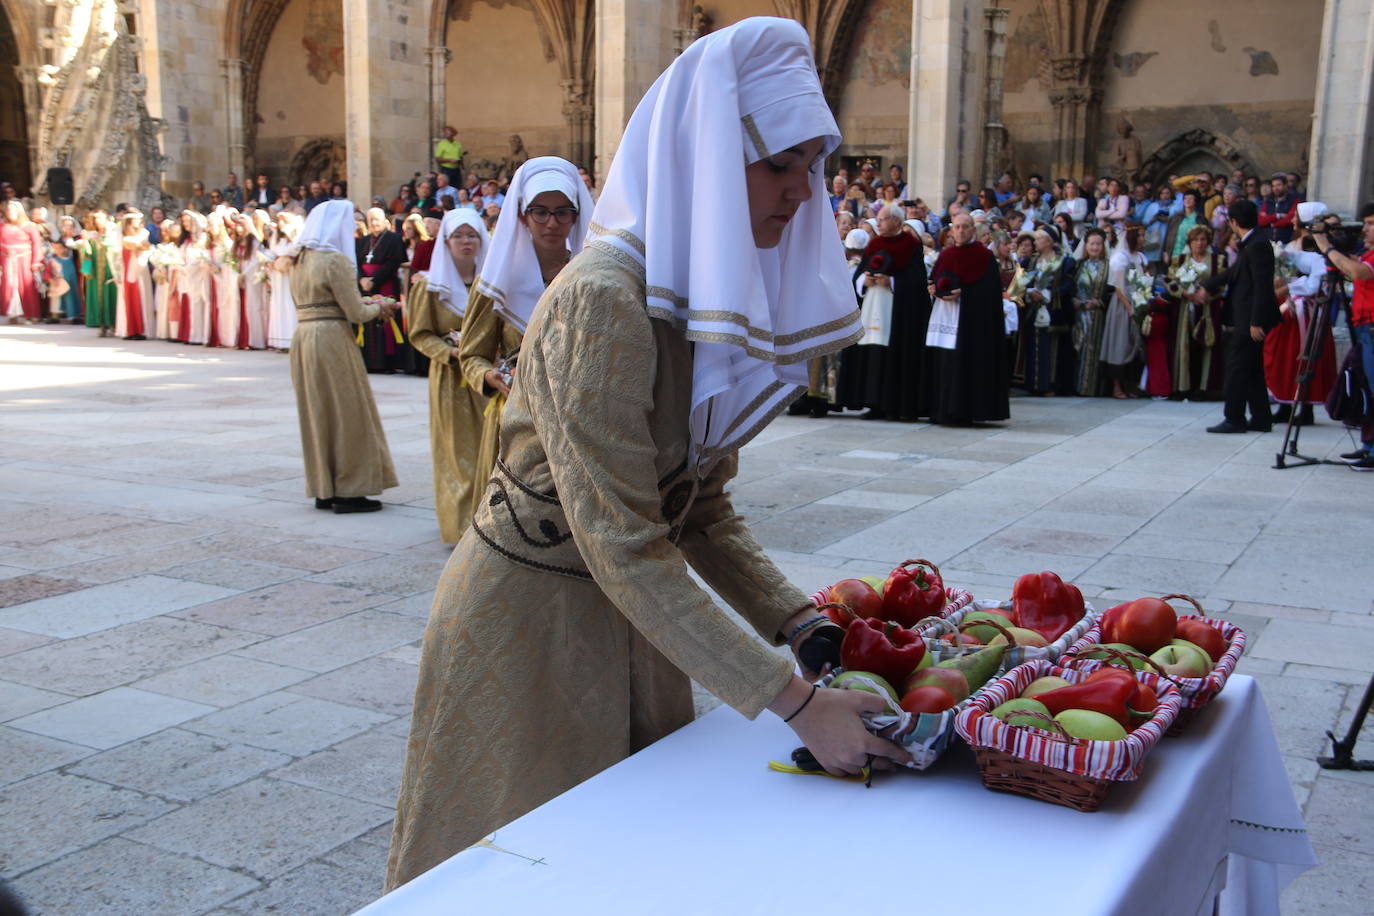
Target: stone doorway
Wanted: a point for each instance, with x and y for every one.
(1195, 151)
(15, 166)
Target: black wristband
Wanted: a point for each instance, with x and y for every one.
(814, 688)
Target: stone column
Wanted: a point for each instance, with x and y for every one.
(33, 105)
(1342, 159)
(438, 58)
(386, 94)
(1076, 109)
(579, 110)
(943, 107)
(232, 69)
(994, 131)
(633, 45)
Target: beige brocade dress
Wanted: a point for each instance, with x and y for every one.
(487, 339)
(566, 624)
(455, 412)
(341, 432)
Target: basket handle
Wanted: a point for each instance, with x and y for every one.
(1190, 599)
(1059, 732)
(1115, 655)
(905, 563)
(970, 624)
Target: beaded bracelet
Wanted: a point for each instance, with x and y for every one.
(801, 628)
(814, 688)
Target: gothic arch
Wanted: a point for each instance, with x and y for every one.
(831, 25)
(1191, 145)
(248, 27)
(19, 94)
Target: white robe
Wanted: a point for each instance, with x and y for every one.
(199, 280)
(136, 271)
(281, 322)
(226, 300)
(255, 303)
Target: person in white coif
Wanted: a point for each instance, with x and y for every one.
(567, 628)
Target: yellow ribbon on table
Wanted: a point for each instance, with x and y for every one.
(777, 767)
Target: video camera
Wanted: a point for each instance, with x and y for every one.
(1345, 237)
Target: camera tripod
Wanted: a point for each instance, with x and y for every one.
(1318, 325)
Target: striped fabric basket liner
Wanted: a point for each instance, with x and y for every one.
(1197, 692)
(927, 735)
(956, 599)
(1018, 654)
(1074, 771)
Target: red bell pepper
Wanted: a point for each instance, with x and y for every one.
(913, 591)
(1142, 702)
(884, 648)
(1046, 604)
(1107, 695)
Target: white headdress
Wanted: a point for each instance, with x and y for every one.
(444, 281)
(511, 276)
(329, 227)
(674, 201)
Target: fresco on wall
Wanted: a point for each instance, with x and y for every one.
(882, 45)
(1028, 54)
(323, 39)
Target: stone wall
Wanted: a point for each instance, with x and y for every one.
(301, 94)
(1242, 70)
(873, 111)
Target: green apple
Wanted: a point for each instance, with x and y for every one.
(1007, 712)
(983, 634)
(1044, 685)
(1186, 660)
(1094, 726)
(1185, 644)
(848, 681)
(876, 581)
(1022, 636)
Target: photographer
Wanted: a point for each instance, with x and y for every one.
(1360, 271)
(1299, 305)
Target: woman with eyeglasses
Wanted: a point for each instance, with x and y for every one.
(548, 212)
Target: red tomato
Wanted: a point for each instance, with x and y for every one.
(1147, 624)
(1203, 635)
(928, 699)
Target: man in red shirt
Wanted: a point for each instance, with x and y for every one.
(1277, 212)
(1360, 271)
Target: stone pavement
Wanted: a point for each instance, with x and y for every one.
(205, 683)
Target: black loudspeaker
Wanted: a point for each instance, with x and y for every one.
(60, 190)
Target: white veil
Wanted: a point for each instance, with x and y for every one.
(329, 227)
(444, 281)
(675, 202)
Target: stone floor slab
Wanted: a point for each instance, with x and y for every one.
(339, 642)
(1330, 647)
(379, 683)
(307, 555)
(63, 813)
(89, 664)
(314, 889)
(1342, 885)
(179, 765)
(289, 723)
(367, 768)
(106, 606)
(223, 680)
(24, 754)
(19, 700)
(266, 827)
(12, 641)
(117, 877)
(392, 575)
(233, 572)
(285, 608)
(112, 718)
(33, 586)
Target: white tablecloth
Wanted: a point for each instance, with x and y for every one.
(698, 824)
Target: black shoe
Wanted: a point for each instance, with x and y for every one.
(1282, 414)
(1305, 417)
(873, 414)
(1257, 427)
(1364, 464)
(343, 505)
(324, 503)
(1225, 426)
(1355, 455)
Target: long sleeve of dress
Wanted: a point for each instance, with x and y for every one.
(421, 307)
(481, 341)
(343, 286)
(719, 545)
(587, 376)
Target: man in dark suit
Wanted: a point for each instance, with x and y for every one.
(1252, 311)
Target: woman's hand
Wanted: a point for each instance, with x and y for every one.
(831, 728)
(454, 354)
(877, 280)
(365, 284)
(494, 381)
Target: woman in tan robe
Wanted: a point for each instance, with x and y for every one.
(346, 456)
(566, 624)
(548, 209)
(435, 307)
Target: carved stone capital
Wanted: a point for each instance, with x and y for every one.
(1070, 69)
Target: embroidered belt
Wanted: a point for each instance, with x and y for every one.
(531, 528)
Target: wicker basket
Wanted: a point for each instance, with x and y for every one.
(1058, 769)
(1197, 692)
(931, 629)
(956, 599)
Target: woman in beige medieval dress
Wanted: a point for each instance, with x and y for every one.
(346, 456)
(435, 307)
(546, 215)
(566, 625)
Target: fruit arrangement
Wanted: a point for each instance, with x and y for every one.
(1043, 618)
(913, 591)
(1195, 652)
(1065, 735)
